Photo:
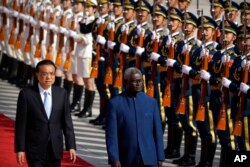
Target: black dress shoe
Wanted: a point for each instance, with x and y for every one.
(172, 155)
(178, 161)
(100, 122)
(188, 162)
(92, 121)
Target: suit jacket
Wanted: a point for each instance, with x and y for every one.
(134, 129)
(33, 129)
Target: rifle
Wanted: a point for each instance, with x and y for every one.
(108, 79)
(17, 44)
(150, 85)
(27, 47)
(38, 53)
(49, 54)
(166, 101)
(122, 59)
(14, 25)
(237, 131)
(182, 101)
(67, 64)
(200, 115)
(4, 22)
(61, 42)
(140, 44)
(94, 71)
(221, 124)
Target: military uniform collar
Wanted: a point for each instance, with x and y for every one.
(118, 19)
(175, 34)
(244, 56)
(159, 30)
(104, 16)
(223, 50)
(130, 22)
(58, 7)
(143, 24)
(68, 11)
(189, 39)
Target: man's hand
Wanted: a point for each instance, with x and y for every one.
(72, 153)
(20, 157)
(116, 164)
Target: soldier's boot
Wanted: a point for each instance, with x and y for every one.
(88, 103)
(204, 149)
(224, 155)
(188, 159)
(211, 149)
(191, 144)
(77, 95)
(103, 114)
(100, 116)
(174, 142)
(13, 71)
(4, 66)
(67, 85)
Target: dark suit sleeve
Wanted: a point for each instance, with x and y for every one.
(111, 134)
(68, 128)
(158, 134)
(21, 121)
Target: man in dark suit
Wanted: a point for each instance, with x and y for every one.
(133, 132)
(42, 117)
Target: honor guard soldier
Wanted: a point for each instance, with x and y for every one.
(83, 53)
(245, 12)
(244, 88)
(231, 9)
(186, 104)
(175, 130)
(122, 32)
(199, 61)
(219, 66)
(101, 60)
(183, 5)
(216, 10)
(75, 38)
(64, 26)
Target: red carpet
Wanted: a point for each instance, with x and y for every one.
(7, 155)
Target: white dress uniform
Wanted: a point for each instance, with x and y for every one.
(10, 14)
(84, 51)
(78, 17)
(68, 14)
(54, 27)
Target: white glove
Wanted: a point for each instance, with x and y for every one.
(225, 82)
(33, 22)
(15, 14)
(111, 25)
(43, 24)
(205, 75)
(102, 58)
(245, 63)
(185, 48)
(155, 36)
(124, 48)
(139, 50)
(100, 20)
(111, 44)
(124, 27)
(169, 41)
(5, 10)
(140, 30)
(26, 19)
(170, 62)
(225, 58)
(244, 87)
(72, 33)
(22, 16)
(186, 69)
(100, 39)
(204, 52)
(62, 30)
(54, 28)
(154, 56)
